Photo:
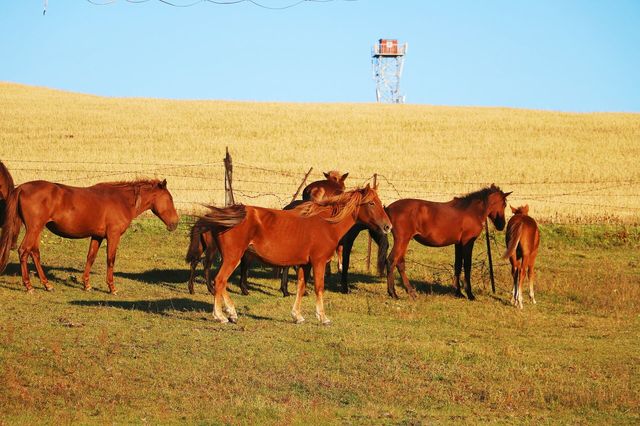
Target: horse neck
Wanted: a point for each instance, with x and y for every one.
(478, 208)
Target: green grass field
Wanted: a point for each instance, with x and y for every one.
(152, 354)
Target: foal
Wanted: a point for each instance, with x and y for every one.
(523, 239)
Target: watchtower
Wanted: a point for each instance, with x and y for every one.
(387, 58)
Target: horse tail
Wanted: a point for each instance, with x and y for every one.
(225, 217)
(11, 227)
(513, 239)
(196, 244)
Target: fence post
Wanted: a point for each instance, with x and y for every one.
(228, 178)
(486, 231)
(375, 182)
(304, 180)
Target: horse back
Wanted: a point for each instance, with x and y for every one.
(329, 187)
(73, 212)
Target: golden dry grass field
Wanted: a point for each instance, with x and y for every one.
(153, 354)
(568, 167)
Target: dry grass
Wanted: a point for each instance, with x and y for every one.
(568, 167)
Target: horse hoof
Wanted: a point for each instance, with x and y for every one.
(459, 294)
(233, 320)
(221, 320)
(245, 292)
(30, 290)
(114, 292)
(49, 288)
(88, 288)
(299, 320)
(326, 321)
(413, 295)
(471, 297)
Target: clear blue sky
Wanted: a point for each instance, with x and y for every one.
(560, 55)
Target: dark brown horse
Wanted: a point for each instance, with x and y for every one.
(306, 236)
(6, 186)
(522, 238)
(100, 211)
(434, 224)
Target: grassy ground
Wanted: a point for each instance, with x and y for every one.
(152, 354)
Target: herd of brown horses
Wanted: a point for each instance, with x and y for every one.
(304, 234)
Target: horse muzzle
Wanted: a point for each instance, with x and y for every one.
(386, 228)
(172, 226)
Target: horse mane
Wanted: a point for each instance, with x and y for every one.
(340, 205)
(8, 178)
(134, 183)
(480, 195)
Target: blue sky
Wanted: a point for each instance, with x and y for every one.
(559, 55)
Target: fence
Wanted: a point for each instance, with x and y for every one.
(224, 182)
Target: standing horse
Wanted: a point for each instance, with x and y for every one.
(434, 224)
(332, 185)
(294, 237)
(522, 238)
(6, 186)
(100, 211)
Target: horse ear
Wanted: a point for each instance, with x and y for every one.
(525, 209)
(163, 184)
(326, 175)
(513, 210)
(506, 194)
(344, 176)
(367, 188)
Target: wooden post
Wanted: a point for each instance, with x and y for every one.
(375, 182)
(228, 178)
(486, 230)
(304, 180)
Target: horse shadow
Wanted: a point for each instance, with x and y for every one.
(159, 307)
(166, 307)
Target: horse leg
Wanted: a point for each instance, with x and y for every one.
(457, 270)
(284, 281)
(347, 245)
(514, 275)
(318, 272)
(397, 252)
(296, 311)
(229, 263)
(531, 275)
(24, 251)
(35, 256)
(339, 257)
(192, 275)
(467, 258)
(209, 255)
(521, 275)
(405, 280)
(244, 274)
(112, 245)
(94, 245)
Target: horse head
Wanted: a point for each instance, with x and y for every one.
(163, 207)
(336, 177)
(496, 204)
(371, 211)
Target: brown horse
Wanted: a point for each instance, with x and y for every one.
(332, 185)
(6, 186)
(294, 237)
(434, 224)
(100, 211)
(523, 239)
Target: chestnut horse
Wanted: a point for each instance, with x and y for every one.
(302, 236)
(204, 243)
(100, 211)
(6, 186)
(435, 224)
(522, 238)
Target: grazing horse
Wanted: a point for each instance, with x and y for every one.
(100, 211)
(434, 224)
(6, 186)
(305, 236)
(522, 238)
